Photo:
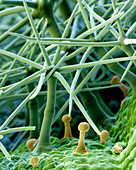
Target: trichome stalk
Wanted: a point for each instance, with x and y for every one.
(33, 113)
(44, 141)
(45, 9)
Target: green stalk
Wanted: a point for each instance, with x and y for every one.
(46, 10)
(49, 112)
(44, 141)
(33, 113)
